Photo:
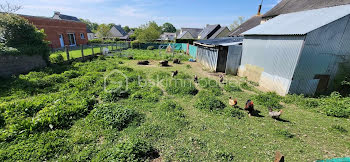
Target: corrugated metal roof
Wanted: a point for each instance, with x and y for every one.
(300, 23)
(289, 6)
(221, 41)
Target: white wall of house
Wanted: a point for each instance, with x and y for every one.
(90, 36)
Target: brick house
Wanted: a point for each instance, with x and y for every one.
(60, 32)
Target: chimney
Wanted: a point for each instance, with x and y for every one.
(260, 6)
(57, 13)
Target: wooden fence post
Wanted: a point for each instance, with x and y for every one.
(82, 51)
(67, 52)
(92, 49)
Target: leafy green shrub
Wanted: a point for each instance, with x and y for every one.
(57, 58)
(18, 33)
(270, 100)
(245, 86)
(38, 147)
(131, 150)
(336, 106)
(208, 101)
(116, 116)
(95, 41)
(150, 48)
(178, 86)
(210, 85)
(135, 44)
(188, 66)
(224, 156)
(8, 50)
(113, 95)
(338, 128)
(283, 133)
(230, 87)
(109, 41)
(233, 112)
(169, 105)
(71, 74)
(146, 94)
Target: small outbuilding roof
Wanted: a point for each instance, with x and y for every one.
(218, 32)
(227, 41)
(183, 33)
(289, 6)
(300, 23)
(249, 24)
(120, 29)
(193, 31)
(208, 29)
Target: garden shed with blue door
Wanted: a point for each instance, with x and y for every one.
(220, 55)
(299, 53)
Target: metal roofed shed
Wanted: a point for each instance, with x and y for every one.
(298, 53)
(220, 55)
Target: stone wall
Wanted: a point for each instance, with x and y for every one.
(14, 65)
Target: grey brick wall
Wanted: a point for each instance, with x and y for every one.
(14, 65)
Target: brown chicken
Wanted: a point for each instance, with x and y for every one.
(232, 102)
(195, 79)
(275, 114)
(249, 106)
(174, 73)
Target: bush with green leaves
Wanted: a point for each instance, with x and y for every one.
(16, 32)
(95, 41)
(234, 112)
(210, 85)
(231, 87)
(57, 58)
(245, 86)
(8, 50)
(169, 105)
(150, 48)
(180, 86)
(269, 100)
(116, 116)
(130, 150)
(335, 105)
(208, 101)
(147, 94)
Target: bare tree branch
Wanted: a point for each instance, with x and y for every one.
(9, 8)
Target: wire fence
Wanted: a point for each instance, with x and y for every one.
(81, 51)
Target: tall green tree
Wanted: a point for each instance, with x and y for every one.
(103, 31)
(148, 32)
(127, 29)
(168, 27)
(90, 25)
(110, 25)
(236, 23)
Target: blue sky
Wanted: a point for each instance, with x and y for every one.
(181, 13)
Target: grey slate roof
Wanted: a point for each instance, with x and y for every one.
(193, 31)
(218, 32)
(220, 41)
(300, 23)
(182, 34)
(120, 29)
(67, 17)
(249, 24)
(208, 31)
(289, 6)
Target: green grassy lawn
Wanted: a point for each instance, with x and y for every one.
(77, 53)
(63, 113)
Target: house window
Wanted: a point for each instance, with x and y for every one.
(71, 38)
(82, 36)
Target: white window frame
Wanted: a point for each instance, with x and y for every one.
(75, 41)
(82, 36)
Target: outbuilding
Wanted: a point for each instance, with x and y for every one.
(220, 55)
(298, 53)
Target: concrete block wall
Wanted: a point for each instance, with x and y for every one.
(15, 65)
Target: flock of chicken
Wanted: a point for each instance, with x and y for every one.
(249, 105)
